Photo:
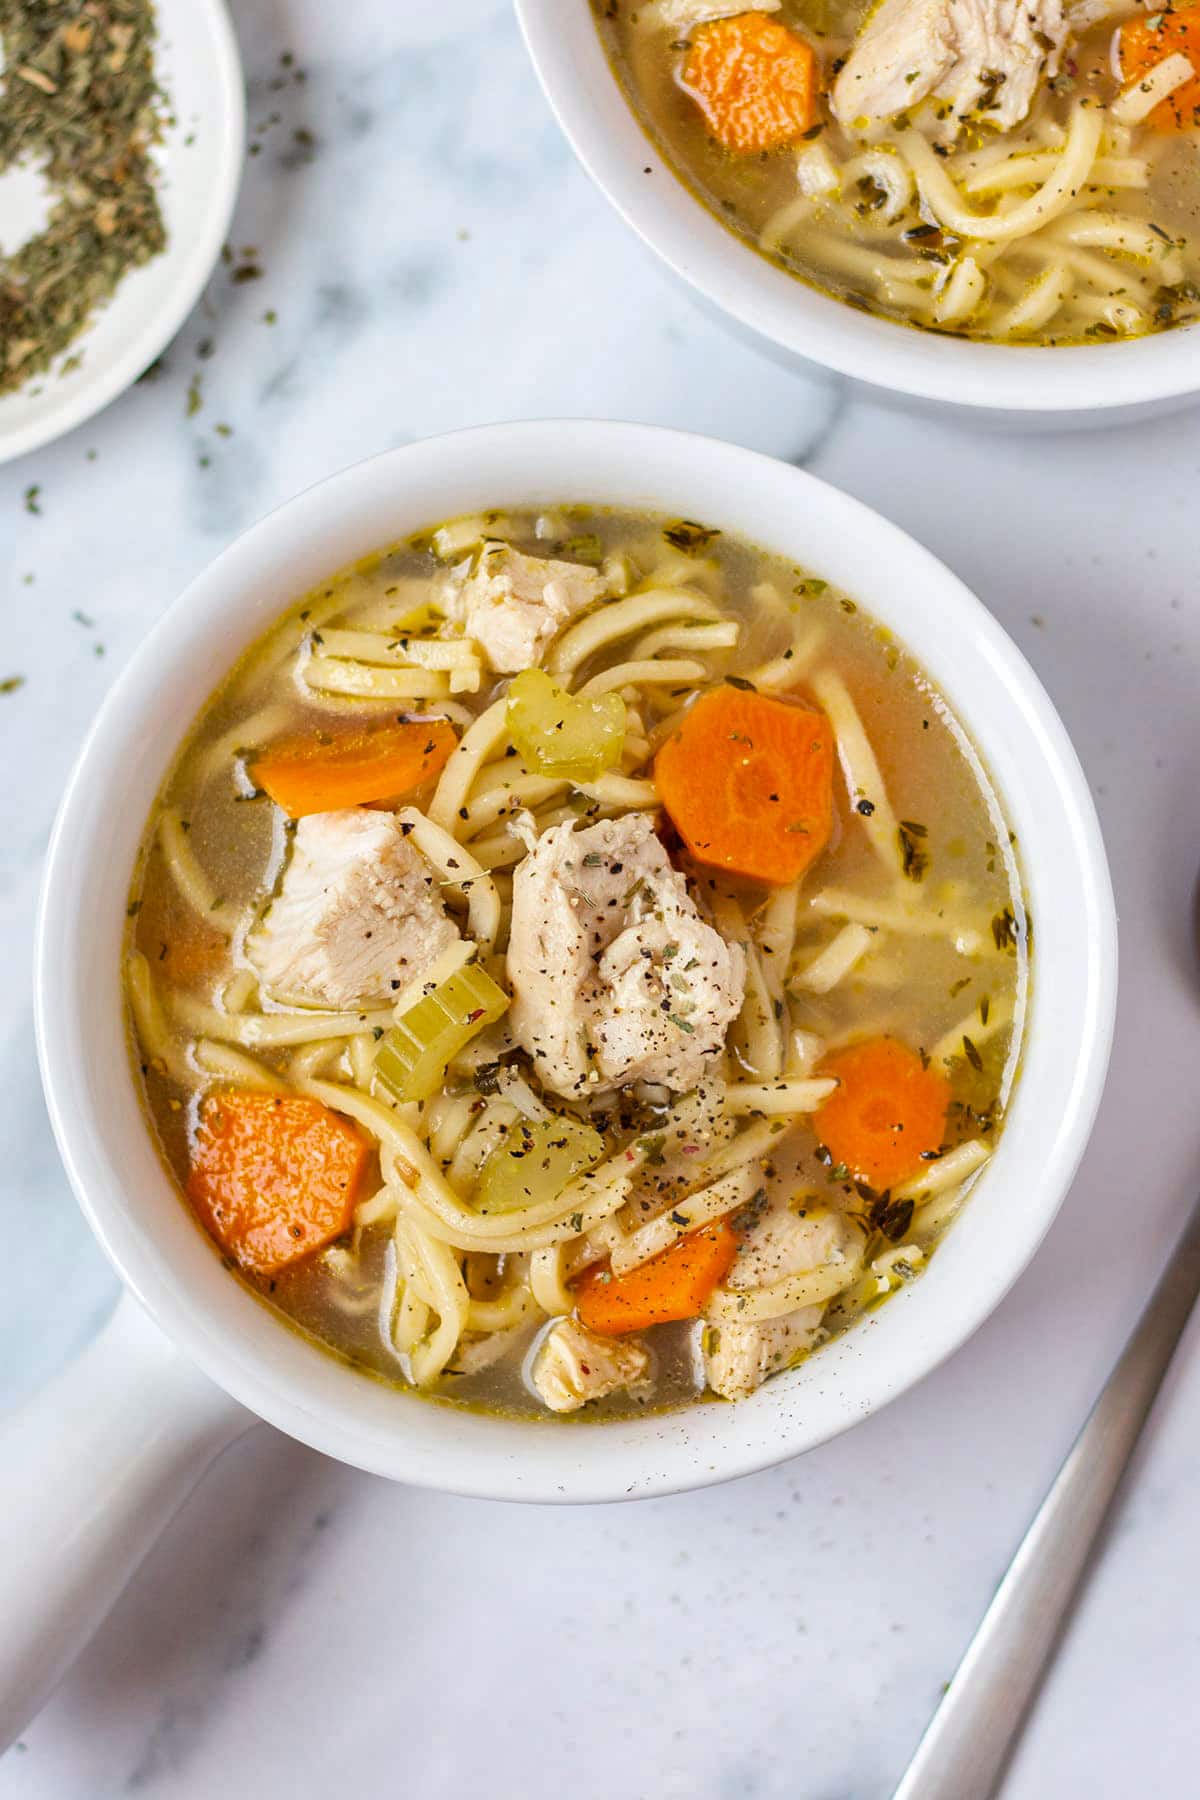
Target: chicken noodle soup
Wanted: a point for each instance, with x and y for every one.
(576, 961)
(1026, 173)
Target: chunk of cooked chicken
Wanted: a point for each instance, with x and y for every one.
(740, 1354)
(616, 978)
(513, 604)
(575, 1365)
(682, 15)
(978, 56)
(358, 915)
(782, 1243)
(738, 1357)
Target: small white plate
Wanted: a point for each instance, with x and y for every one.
(200, 161)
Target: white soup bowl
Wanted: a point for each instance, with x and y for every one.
(112, 1448)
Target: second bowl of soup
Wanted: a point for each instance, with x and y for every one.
(1022, 196)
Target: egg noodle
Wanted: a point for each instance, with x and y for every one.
(1056, 200)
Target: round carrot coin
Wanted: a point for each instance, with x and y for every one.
(887, 1111)
(312, 772)
(754, 80)
(273, 1176)
(747, 781)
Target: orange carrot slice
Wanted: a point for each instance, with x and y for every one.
(273, 1176)
(887, 1110)
(309, 774)
(748, 783)
(673, 1285)
(1146, 42)
(754, 80)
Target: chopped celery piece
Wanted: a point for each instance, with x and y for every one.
(535, 1162)
(569, 735)
(413, 1056)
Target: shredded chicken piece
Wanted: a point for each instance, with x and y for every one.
(684, 15)
(738, 1357)
(616, 977)
(981, 57)
(782, 1242)
(357, 918)
(513, 605)
(575, 1365)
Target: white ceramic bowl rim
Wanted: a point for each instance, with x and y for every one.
(643, 186)
(133, 1206)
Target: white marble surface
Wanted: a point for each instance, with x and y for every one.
(435, 258)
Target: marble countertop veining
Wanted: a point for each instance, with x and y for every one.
(431, 256)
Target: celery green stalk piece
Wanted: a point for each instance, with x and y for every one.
(413, 1056)
(535, 1162)
(572, 736)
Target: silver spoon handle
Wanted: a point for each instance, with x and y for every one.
(966, 1745)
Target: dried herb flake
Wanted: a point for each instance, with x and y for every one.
(687, 535)
(88, 111)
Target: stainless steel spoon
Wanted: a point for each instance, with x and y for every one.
(970, 1737)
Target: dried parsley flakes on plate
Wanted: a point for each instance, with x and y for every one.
(81, 102)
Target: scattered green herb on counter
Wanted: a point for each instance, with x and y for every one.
(32, 498)
(195, 399)
(11, 683)
(81, 100)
